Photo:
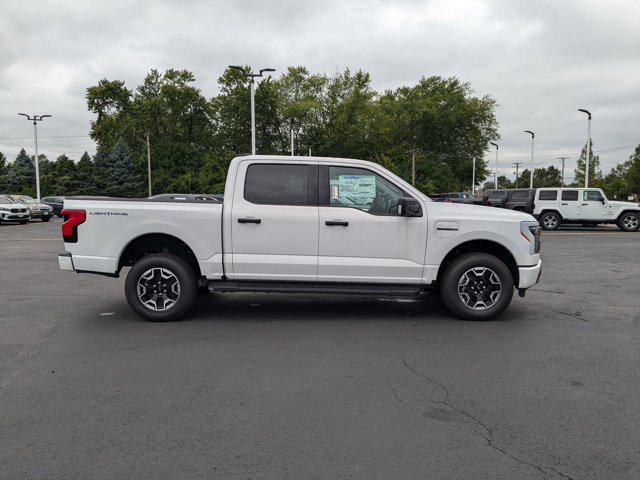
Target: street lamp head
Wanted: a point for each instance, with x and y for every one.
(533, 135)
(262, 70)
(585, 111)
(494, 144)
(44, 116)
(24, 115)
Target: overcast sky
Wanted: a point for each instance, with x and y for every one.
(540, 60)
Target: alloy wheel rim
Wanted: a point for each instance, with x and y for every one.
(158, 289)
(550, 221)
(479, 288)
(630, 221)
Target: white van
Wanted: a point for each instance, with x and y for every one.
(586, 206)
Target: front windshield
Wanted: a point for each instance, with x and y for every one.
(26, 200)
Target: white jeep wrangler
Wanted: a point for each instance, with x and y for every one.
(586, 206)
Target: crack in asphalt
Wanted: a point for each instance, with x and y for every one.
(486, 433)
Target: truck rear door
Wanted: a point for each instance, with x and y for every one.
(569, 204)
(274, 222)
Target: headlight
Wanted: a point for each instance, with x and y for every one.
(531, 233)
(5, 209)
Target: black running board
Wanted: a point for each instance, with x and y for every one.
(224, 286)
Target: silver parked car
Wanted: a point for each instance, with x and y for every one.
(38, 210)
(10, 211)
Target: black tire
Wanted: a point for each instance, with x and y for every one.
(493, 305)
(550, 221)
(24, 222)
(629, 222)
(182, 274)
(45, 219)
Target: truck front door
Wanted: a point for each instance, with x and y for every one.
(361, 236)
(274, 222)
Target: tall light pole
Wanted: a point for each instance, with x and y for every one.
(562, 159)
(517, 164)
(533, 136)
(586, 163)
(495, 174)
(35, 119)
(252, 80)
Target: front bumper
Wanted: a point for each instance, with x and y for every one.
(529, 276)
(66, 262)
(9, 216)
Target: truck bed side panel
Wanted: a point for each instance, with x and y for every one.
(111, 225)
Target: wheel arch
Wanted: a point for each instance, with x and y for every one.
(627, 210)
(149, 243)
(550, 210)
(481, 246)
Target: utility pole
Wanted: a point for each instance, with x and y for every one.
(292, 148)
(35, 119)
(252, 80)
(473, 178)
(562, 159)
(495, 174)
(533, 136)
(586, 163)
(148, 162)
(517, 164)
(413, 167)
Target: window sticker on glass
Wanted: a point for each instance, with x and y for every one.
(355, 189)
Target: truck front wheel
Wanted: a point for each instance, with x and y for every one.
(629, 222)
(476, 286)
(160, 287)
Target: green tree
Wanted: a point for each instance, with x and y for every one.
(595, 174)
(633, 174)
(22, 176)
(122, 178)
(4, 173)
(85, 176)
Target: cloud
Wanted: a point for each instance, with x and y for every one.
(540, 60)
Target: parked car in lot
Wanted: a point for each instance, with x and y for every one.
(38, 210)
(305, 224)
(55, 203)
(456, 197)
(521, 199)
(493, 198)
(11, 211)
(586, 206)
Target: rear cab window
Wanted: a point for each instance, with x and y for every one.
(279, 184)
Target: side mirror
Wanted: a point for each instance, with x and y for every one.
(602, 200)
(409, 207)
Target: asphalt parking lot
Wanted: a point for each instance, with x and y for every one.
(271, 386)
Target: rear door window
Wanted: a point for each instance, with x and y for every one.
(548, 195)
(271, 184)
(570, 195)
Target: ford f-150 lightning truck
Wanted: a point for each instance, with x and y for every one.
(304, 224)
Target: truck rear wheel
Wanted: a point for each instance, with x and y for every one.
(476, 286)
(629, 222)
(160, 287)
(550, 221)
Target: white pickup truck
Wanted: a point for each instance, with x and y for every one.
(304, 224)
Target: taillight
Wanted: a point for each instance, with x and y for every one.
(72, 218)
